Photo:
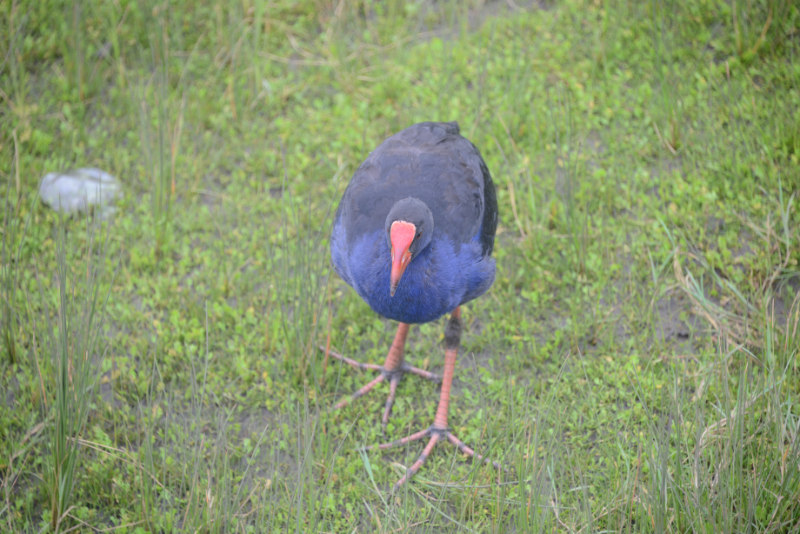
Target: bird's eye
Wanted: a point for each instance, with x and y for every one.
(418, 234)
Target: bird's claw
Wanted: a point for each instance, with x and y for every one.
(436, 434)
(393, 376)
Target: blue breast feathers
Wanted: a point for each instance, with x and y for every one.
(437, 280)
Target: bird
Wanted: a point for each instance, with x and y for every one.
(413, 235)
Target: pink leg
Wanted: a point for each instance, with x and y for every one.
(438, 429)
(392, 370)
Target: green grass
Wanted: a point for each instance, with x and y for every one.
(635, 364)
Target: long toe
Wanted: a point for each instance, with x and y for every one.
(436, 434)
(360, 391)
(387, 410)
(393, 376)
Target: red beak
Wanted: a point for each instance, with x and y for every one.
(401, 235)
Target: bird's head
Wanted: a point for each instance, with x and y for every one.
(409, 227)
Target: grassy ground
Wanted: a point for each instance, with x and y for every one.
(635, 364)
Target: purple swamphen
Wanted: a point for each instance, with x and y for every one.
(413, 236)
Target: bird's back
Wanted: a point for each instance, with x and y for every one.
(434, 163)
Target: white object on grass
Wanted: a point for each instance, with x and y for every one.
(79, 190)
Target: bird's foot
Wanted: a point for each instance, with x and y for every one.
(436, 434)
(393, 376)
